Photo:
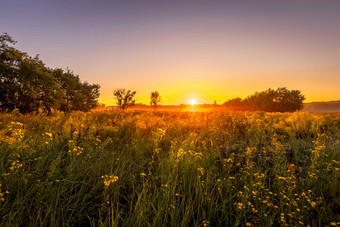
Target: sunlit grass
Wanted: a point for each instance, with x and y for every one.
(174, 169)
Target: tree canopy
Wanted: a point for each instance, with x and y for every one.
(28, 85)
(280, 100)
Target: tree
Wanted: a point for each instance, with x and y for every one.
(27, 84)
(124, 98)
(78, 95)
(24, 81)
(280, 100)
(234, 104)
(289, 100)
(155, 98)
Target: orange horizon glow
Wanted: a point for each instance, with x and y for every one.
(203, 94)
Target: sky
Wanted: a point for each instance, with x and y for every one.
(185, 49)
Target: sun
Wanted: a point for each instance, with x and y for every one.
(192, 102)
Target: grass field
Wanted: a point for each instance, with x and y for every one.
(170, 169)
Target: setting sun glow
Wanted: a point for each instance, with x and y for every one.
(192, 102)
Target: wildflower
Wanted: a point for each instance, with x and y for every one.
(198, 155)
(205, 223)
(229, 160)
(240, 206)
(16, 165)
(201, 170)
(142, 174)
(2, 194)
(76, 150)
(180, 153)
(109, 179)
(282, 218)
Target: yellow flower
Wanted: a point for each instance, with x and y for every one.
(142, 174)
(229, 160)
(109, 179)
(201, 170)
(240, 206)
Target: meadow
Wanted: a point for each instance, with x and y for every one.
(112, 168)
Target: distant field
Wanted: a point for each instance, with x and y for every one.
(322, 107)
(139, 168)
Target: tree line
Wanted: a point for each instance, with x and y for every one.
(279, 100)
(28, 85)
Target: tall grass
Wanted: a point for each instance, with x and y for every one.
(173, 169)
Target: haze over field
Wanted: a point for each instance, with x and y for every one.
(201, 50)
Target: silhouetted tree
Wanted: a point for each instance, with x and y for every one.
(155, 98)
(234, 104)
(27, 84)
(124, 98)
(77, 95)
(280, 100)
(288, 100)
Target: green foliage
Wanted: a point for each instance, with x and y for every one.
(280, 100)
(170, 169)
(28, 85)
(77, 95)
